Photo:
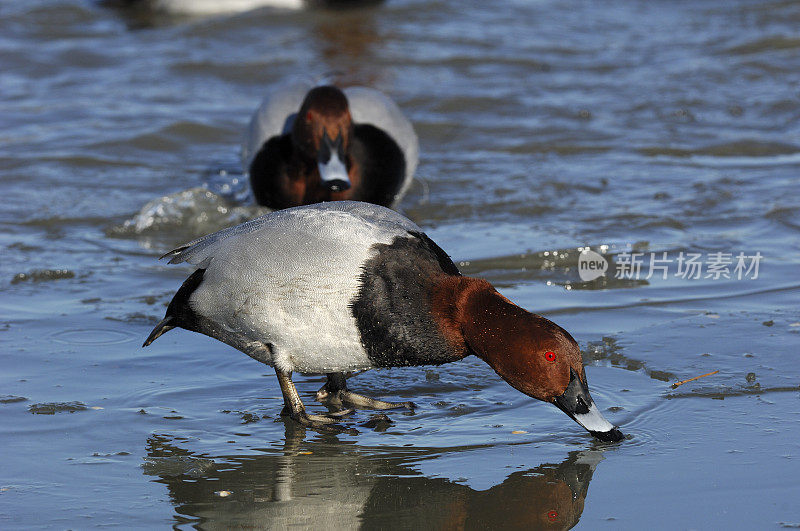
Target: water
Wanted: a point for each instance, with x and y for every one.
(544, 127)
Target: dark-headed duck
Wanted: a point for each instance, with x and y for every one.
(327, 144)
(344, 286)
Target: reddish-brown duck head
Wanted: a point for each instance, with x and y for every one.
(531, 353)
(322, 132)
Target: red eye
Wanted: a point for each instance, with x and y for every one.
(550, 356)
(308, 116)
(552, 515)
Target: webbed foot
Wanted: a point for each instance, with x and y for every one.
(335, 389)
(294, 408)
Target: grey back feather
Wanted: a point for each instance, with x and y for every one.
(200, 251)
(274, 117)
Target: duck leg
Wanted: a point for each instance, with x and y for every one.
(336, 389)
(294, 407)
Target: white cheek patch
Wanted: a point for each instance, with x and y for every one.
(593, 420)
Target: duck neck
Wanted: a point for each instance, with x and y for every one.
(477, 319)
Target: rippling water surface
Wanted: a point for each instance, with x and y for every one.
(545, 127)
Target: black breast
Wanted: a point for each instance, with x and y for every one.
(393, 307)
(382, 165)
(269, 173)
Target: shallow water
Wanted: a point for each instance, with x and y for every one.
(545, 127)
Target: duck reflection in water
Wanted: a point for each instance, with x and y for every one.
(323, 484)
(353, 54)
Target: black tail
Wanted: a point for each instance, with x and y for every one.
(179, 314)
(161, 328)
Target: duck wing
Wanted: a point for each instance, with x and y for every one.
(274, 117)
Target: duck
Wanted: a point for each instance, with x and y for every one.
(219, 7)
(344, 286)
(325, 143)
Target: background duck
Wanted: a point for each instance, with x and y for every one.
(218, 7)
(306, 146)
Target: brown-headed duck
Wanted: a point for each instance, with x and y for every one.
(327, 144)
(344, 286)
